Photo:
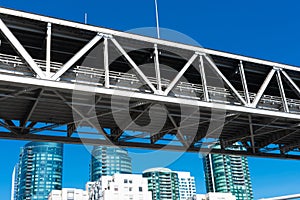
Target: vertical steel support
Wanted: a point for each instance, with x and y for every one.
(157, 69)
(203, 79)
(214, 66)
(106, 64)
(180, 74)
(263, 88)
(244, 82)
(282, 92)
(48, 50)
(18, 46)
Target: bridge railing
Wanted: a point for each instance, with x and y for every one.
(126, 81)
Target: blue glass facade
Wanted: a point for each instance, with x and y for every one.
(108, 161)
(228, 173)
(40, 170)
(163, 183)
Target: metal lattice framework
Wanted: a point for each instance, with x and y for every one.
(44, 60)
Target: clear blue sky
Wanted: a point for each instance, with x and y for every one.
(268, 29)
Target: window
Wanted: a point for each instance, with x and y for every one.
(70, 195)
(116, 188)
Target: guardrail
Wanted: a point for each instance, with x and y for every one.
(92, 76)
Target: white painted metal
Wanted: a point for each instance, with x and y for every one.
(157, 19)
(137, 69)
(213, 65)
(157, 68)
(143, 38)
(106, 64)
(77, 56)
(180, 74)
(48, 50)
(203, 79)
(263, 88)
(244, 82)
(144, 96)
(17, 45)
(291, 81)
(282, 92)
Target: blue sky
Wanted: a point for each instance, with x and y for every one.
(265, 29)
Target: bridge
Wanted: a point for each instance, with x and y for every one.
(69, 82)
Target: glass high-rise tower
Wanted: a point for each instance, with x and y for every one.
(163, 183)
(228, 174)
(39, 170)
(107, 161)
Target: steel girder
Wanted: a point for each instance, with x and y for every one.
(39, 84)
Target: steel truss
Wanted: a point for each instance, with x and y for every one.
(44, 61)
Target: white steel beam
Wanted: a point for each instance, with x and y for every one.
(18, 46)
(77, 56)
(282, 92)
(263, 88)
(48, 50)
(213, 65)
(203, 79)
(244, 82)
(180, 74)
(132, 63)
(106, 64)
(157, 68)
(291, 81)
(142, 38)
(144, 96)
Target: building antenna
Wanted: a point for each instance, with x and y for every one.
(85, 18)
(157, 20)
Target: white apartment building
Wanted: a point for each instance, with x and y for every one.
(187, 186)
(215, 196)
(68, 194)
(120, 187)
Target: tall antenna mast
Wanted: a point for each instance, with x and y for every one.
(85, 18)
(157, 20)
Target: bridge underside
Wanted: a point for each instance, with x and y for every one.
(66, 82)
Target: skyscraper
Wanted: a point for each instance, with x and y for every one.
(40, 170)
(107, 161)
(187, 186)
(163, 183)
(228, 173)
